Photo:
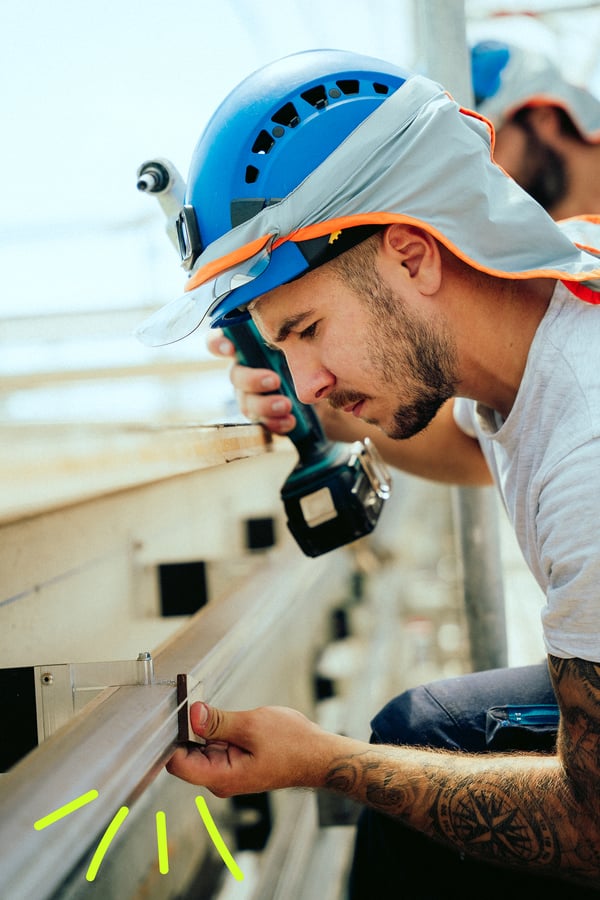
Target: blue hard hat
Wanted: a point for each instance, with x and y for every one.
(488, 60)
(269, 133)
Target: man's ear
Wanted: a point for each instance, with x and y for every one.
(417, 252)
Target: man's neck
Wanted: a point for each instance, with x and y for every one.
(497, 345)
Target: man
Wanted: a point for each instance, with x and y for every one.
(412, 285)
(547, 130)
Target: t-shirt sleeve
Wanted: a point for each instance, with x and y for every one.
(569, 552)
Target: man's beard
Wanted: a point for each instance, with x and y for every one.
(404, 351)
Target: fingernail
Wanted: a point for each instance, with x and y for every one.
(224, 347)
(278, 406)
(202, 714)
(268, 382)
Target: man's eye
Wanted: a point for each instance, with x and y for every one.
(309, 331)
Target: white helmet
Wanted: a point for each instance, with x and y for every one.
(507, 78)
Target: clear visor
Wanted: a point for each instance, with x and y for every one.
(185, 314)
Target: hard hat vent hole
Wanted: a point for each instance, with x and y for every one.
(380, 88)
(316, 96)
(251, 174)
(287, 115)
(263, 142)
(348, 85)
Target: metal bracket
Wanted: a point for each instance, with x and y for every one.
(62, 690)
(187, 693)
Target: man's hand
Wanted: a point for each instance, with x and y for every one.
(254, 389)
(249, 752)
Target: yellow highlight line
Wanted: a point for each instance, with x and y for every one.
(65, 810)
(105, 843)
(218, 840)
(161, 840)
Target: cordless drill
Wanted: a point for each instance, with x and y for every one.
(335, 493)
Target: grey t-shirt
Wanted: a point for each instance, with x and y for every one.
(545, 459)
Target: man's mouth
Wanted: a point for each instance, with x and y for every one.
(348, 401)
(355, 408)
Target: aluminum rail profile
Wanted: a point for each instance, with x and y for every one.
(119, 742)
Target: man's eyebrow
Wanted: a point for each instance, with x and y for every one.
(290, 323)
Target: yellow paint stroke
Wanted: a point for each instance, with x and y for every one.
(161, 840)
(218, 840)
(105, 843)
(65, 810)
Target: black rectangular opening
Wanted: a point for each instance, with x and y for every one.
(18, 715)
(260, 533)
(183, 588)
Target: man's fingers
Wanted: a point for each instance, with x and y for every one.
(190, 764)
(218, 344)
(218, 764)
(274, 412)
(282, 425)
(249, 380)
(271, 409)
(256, 390)
(209, 766)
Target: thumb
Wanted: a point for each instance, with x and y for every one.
(211, 723)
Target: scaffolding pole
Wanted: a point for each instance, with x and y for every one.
(444, 56)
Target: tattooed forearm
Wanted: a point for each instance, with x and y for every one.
(577, 687)
(536, 811)
(515, 811)
(485, 821)
(359, 774)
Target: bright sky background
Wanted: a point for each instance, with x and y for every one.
(91, 89)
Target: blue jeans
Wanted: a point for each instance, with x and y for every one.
(466, 713)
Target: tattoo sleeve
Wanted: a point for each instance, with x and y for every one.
(514, 809)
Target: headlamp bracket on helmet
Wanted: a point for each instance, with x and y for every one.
(188, 236)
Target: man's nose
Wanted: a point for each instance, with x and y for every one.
(312, 381)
